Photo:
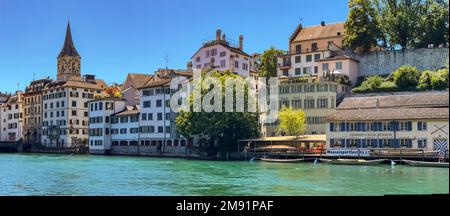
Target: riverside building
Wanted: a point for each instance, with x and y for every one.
(32, 107)
(396, 120)
(65, 108)
(317, 97)
(11, 117)
(147, 128)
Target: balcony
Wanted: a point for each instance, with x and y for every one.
(284, 65)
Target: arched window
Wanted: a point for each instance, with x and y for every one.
(175, 143)
(183, 142)
(169, 142)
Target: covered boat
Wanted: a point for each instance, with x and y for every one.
(353, 161)
(282, 160)
(426, 164)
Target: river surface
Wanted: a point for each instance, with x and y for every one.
(44, 174)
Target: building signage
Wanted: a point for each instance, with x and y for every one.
(348, 152)
(372, 135)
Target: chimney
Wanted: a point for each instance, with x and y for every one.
(322, 23)
(241, 42)
(189, 65)
(218, 33)
(224, 38)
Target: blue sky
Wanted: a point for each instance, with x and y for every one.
(115, 37)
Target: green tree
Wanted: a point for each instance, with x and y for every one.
(398, 22)
(425, 80)
(361, 27)
(226, 127)
(406, 77)
(291, 121)
(433, 23)
(268, 64)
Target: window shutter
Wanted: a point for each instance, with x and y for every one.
(359, 143)
(396, 143)
(380, 143)
(343, 126)
(409, 143)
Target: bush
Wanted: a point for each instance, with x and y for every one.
(439, 80)
(406, 77)
(388, 86)
(425, 80)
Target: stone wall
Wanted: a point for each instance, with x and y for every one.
(386, 62)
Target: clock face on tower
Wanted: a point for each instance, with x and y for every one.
(68, 66)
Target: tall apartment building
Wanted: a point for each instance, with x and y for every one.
(32, 107)
(101, 112)
(11, 117)
(65, 108)
(316, 51)
(222, 55)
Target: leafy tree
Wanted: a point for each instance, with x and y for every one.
(425, 80)
(433, 23)
(361, 27)
(226, 127)
(398, 22)
(291, 121)
(268, 64)
(406, 77)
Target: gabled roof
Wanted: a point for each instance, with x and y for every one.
(68, 48)
(78, 82)
(138, 80)
(224, 44)
(399, 106)
(397, 100)
(317, 32)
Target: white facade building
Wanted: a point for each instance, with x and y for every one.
(157, 119)
(100, 113)
(11, 117)
(399, 121)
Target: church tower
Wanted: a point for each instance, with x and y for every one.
(69, 61)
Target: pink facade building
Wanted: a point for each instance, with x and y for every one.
(222, 55)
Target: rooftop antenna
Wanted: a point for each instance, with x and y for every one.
(17, 86)
(34, 74)
(166, 58)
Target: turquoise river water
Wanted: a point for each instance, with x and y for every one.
(42, 174)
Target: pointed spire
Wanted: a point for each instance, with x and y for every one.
(68, 48)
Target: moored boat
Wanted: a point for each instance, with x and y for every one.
(282, 160)
(426, 164)
(353, 161)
